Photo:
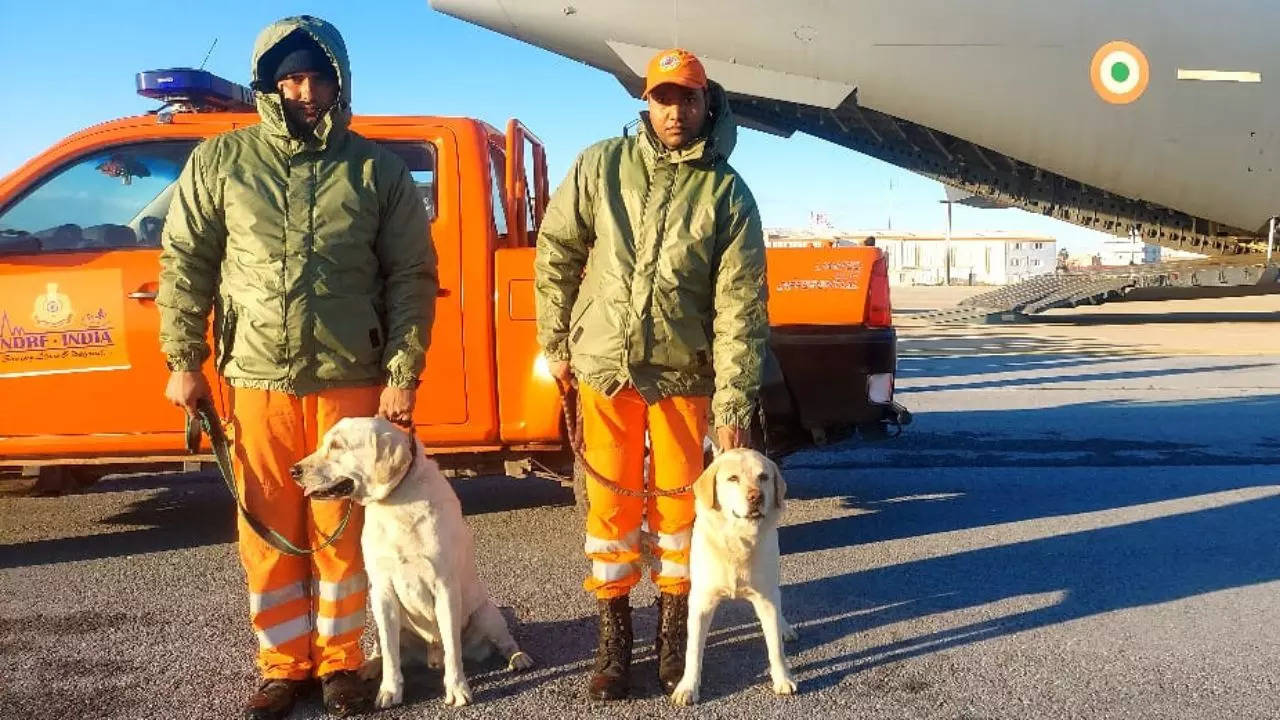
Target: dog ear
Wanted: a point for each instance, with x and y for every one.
(393, 453)
(704, 488)
(779, 483)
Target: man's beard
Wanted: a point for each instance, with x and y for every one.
(298, 121)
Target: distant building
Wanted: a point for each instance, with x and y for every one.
(1134, 251)
(990, 258)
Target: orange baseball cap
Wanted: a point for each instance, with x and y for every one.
(675, 66)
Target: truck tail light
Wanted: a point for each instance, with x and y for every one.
(880, 388)
(879, 310)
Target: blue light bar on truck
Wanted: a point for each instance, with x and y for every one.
(199, 89)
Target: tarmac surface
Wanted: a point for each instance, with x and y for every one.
(1081, 523)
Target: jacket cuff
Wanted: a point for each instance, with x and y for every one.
(734, 414)
(185, 361)
(557, 350)
(403, 381)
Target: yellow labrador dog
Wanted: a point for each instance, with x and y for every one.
(734, 554)
(418, 553)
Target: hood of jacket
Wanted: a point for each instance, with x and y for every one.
(267, 97)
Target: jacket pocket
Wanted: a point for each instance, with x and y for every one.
(681, 342)
(577, 316)
(348, 339)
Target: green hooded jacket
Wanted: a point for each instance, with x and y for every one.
(650, 270)
(315, 254)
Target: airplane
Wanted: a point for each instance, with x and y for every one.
(1123, 117)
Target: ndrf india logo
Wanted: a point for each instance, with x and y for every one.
(52, 309)
(1120, 72)
(669, 62)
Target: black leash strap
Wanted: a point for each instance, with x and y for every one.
(206, 418)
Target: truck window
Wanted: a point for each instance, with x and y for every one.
(110, 199)
(421, 159)
(498, 175)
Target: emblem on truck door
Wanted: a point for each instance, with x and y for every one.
(53, 309)
(58, 338)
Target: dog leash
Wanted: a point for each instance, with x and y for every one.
(206, 418)
(573, 427)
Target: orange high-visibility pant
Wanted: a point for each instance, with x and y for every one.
(307, 612)
(613, 430)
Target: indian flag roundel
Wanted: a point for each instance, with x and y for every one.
(1120, 72)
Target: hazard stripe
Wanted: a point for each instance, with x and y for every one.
(275, 598)
(277, 635)
(332, 627)
(673, 569)
(600, 546)
(611, 572)
(338, 590)
(675, 541)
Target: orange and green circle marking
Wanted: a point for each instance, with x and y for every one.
(1120, 72)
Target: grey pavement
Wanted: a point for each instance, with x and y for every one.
(1068, 530)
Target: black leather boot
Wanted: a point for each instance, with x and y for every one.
(274, 699)
(611, 675)
(345, 694)
(673, 633)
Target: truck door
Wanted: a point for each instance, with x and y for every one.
(79, 261)
(432, 156)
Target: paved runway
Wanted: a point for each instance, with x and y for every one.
(1080, 524)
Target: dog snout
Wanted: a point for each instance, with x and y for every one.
(755, 497)
(296, 472)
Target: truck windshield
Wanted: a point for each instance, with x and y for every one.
(117, 198)
(112, 198)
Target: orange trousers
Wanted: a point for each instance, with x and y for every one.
(307, 612)
(613, 430)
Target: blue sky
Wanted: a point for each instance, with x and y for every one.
(70, 64)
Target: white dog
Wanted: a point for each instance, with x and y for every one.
(418, 553)
(734, 554)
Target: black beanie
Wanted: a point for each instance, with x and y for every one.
(296, 53)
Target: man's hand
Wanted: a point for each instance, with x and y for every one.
(396, 405)
(561, 372)
(729, 437)
(185, 389)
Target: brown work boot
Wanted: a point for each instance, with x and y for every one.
(673, 633)
(274, 699)
(345, 693)
(611, 675)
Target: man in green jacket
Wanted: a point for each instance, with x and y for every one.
(311, 246)
(650, 287)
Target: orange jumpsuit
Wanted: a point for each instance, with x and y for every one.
(307, 612)
(613, 430)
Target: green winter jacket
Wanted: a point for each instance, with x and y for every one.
(314, 254)
(673, 299)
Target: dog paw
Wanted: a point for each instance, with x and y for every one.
(457, 694)
(520, 661)
(784, 685)
(389, 696)
(789, 633)
(686, 693)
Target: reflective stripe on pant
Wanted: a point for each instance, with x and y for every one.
(613, 431)
(307, 613)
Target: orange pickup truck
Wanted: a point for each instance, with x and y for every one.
(82, 376)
